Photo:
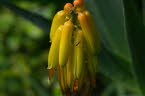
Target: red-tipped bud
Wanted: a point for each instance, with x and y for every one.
(79, 3)
(67, 7)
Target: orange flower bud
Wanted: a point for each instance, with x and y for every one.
(79, 3)
(67, 7)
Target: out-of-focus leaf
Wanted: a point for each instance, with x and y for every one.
(110, 22)
(57, 90)
(33, 31)
(13, 43)
(34, 18)
(58, 3)
(136, 36)
(22, 69)
(110, 18)
(6, 22)
(143, 10)
(110, 66)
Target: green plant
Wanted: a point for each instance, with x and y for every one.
(121, 27)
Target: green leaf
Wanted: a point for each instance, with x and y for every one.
(110, 22)
(136, 36)
(143, 10)
(110, 66)
(119, 23)
(33, 17)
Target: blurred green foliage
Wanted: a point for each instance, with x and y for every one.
(23, 51)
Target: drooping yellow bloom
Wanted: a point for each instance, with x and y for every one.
(78, 54)
(74, 49)
(94, 30)
(87, 31)
(65, 43)
(53, 56)
(70, 66)
(58, 20)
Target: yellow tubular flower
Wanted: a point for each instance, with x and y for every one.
(79, 56)
(64, 76)
(74, 50)
(74, 62)
(54, 49)
(94, 30)
(70, 69)
(69, 73)
(58, 20)
(65, 43)
(87, 31)
(62, 79)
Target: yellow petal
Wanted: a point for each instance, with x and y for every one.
(87, 31)
(65, 43)
(53, 57)
(78, 55)
(58, 20)
(94, 30)
(70, 69)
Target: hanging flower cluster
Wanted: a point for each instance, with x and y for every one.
(74, 49)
